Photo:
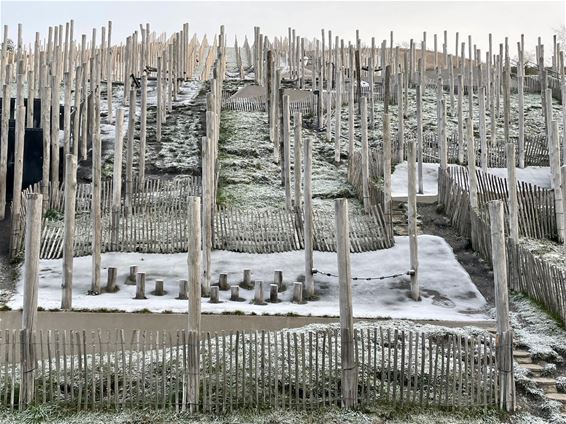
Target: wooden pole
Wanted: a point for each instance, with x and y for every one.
(117, 180)
(365, 154)
(554, 151)
(143, 125)
(472, 177)
(4, 148)
(349, 381)
(297, 159)
(387, 148)
(512, 190)
(96, 210)
(521, 106)
(130, 150)
(460, 120)
(338, 120)
(207, 186)
(484, 158)
(307, 223)
(194, 262)
(287, 151)
(69, 232)
(31, 282)
(504, 339)
(18, 176)
(412, 215)
(420, 136)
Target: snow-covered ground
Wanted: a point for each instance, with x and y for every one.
(400, 178)
(537, 175)
(447, 290)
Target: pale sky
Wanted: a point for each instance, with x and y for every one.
(408, 19)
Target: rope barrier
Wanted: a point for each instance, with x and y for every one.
(383, 277)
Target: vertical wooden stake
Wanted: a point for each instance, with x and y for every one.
(504, 339)
(307, 222)
(349, 381)
(412, 215)
(472, 177)
(69, 232)
(297, 159)
(512, 189)
(194, 261)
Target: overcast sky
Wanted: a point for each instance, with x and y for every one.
(408, 19)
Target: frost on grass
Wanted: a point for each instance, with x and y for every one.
(250, 177)
(533, 329)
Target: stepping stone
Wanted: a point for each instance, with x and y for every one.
(548, 384)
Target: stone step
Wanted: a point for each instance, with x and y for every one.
(534, 368)
(523, 360)
(547, 384)
(517, 353)
(560, 397)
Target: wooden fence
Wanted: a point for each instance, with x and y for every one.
(536, 214)
(527, 272)
(536, 150)
(286, 369)
(156, 222)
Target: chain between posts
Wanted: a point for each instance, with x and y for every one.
(383, 277)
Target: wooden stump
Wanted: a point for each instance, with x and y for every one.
(297, 292)
(131, 280)
(273, 290)
(247, 281)
(140, 285)
(111, 282)
(158, 288)
(235, 293)
(278, 279)
(223, 282)
(183, 288)
(258, 295)
(214, 295)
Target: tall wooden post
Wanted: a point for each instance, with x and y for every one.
(297, 158)
(194, 262)
(420, 135)
(130, 150)
(96, 209)
(472, 177)
(69, 232)
(412, 215)
(207, 187)
(554, 152)
(460, 120)
(286, 151)
(365, 154)
(31, 282)
(143, 125)
(338, 120)
(307, 223)
(386, 148)
(484, 158)
(512, 190)
(504, 339)
(349, 364)
(18, 176)
(521, 106)
(4, 148)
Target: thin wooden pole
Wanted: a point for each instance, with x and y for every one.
(365, 154)
(297, 158)
(307, 222)
(504, 333)
(194, 262)
(143, 124)
(96, 210)
(412, 215)
(69, 231)
(512, 190)
(554, 151)
(4, 147)
(472, 177)
(349, 382)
